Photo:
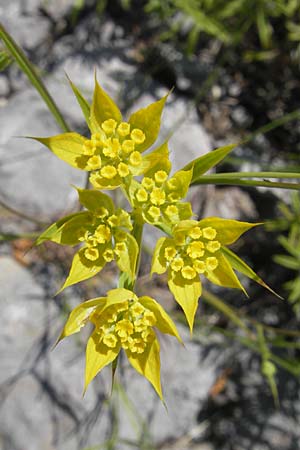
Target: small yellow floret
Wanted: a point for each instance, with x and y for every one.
(171, 210)
(199, 266)
(137, 309)
(123, 129)
(137, 136)
(209, 233)
(128, 146)
(109, 126)
(195, 249)
(113, 220)
(138, 346)
(195, 233)
(123, 170)
(148, 183)
(108, 172)
(111, 148)
(88, 148)
(211, 263)
(160, 176)
(213, 246)
(170, 253)
(177, 264)
(120, 248)
(188, 272)
(139, 325)
(102, 234)
(110, 340)
(91, 253)
(108, 255)
(154, 212)
(149, 318)
(157, 197)
(94, 162)
(141, 195)
(124, 328)
(135, 159)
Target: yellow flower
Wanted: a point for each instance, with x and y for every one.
(113, 152)
(158, 197)
(197, 248)
(103, 232)
(122, 320)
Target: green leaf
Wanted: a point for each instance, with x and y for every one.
(5, 60)
(95, 200)
(202, 164)
(223, 275)
(83, 103)
(61, 235)
(186, 293)
(82, 269)
(80, 316)
(287, 261)
(103, 108)
(68, 147)
(240, 265)
(228, 230)
(148, 364)
(98, 355)
(159, 264)
(183, 178)
(127, 259)
(120, 295)
(158, 159)
(148, 120)
(164, 322)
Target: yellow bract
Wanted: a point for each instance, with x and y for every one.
(195, 249)
(122, 320)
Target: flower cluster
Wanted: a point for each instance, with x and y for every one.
(113, 157)
(122, 320)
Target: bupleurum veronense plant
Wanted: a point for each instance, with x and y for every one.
(114, 157)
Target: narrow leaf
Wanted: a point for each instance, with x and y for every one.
(83, 103)
(240, 265)
(202, 164)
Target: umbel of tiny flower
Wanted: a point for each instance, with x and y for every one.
(113, 152)
(103, 232)
(157, 198)
(122, 321)
(197, 249)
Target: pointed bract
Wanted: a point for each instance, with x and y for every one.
(148, 119)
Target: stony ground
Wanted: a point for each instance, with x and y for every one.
(41, 404)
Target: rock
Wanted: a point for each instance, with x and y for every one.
(27, 31)
(30, 372)
(31, 177)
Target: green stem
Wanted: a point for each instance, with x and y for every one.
(223, 179)
(217, 303)
(238, 175)
(35, 80)
(138, 225)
